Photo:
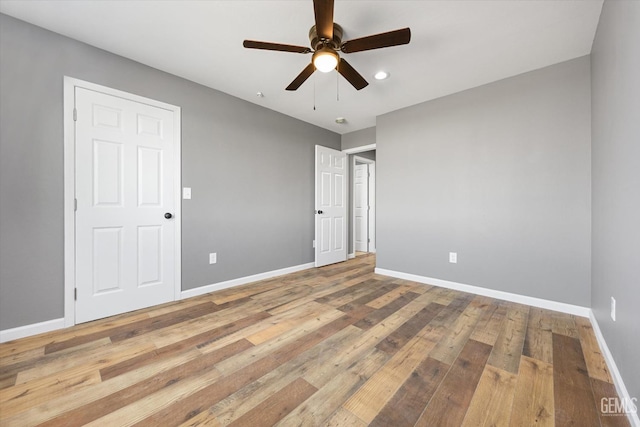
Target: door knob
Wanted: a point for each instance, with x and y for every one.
(168, 215)
(319, 212)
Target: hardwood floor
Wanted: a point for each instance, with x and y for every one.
(335, 346)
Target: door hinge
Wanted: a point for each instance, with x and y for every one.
(75, 115)
(75, 294)
(75, 204)
(368, 240)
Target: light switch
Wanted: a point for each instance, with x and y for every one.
(186, 193)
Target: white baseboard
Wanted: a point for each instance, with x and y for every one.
(243, 280)
(508, 296)
(623, 393)
(29, 330)
(351, 256)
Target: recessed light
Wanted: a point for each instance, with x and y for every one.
(381, 75)
(341, 120)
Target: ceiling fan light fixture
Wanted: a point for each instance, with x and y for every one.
(325, 59)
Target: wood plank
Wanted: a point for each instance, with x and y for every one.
(186, 404)
(380, 388)
(337, 389)
(605, 396)
(319, 292)
(533, 402)
(102, 407)
(596, 364)
(338, 356)
(538, 342)
(492, 400)
(385, 311)
(572, 392)
(322, 318)
(298, 315)
(166, 320)
(352, 292)
(368, 297)
(269, 347)
(64, 402)
(27, 395)
(342, 418)
(451, 401)
(197, 341)
(134, 329)
(278, 405)
(508, 347)
(457, 335)
(37, 343)
(55, 359)
(412, 397)
(396, 340)
(445, 296)
(242, 401)
(16, 355)
(563, 324)
(8, 380)
(98, 358)
(490, 324)
(386, 298)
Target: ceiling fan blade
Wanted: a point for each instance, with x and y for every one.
(377, 41)
(323, 10)
(253, 44)
(352, 76)
(302, 77)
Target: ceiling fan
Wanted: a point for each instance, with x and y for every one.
(326, 40)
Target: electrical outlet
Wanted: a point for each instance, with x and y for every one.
(613, 309)
(453, 257)
(213, 257)
(186, 193)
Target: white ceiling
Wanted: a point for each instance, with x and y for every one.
(455, 45)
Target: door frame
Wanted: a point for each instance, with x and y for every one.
(354, 160)
(70, 84)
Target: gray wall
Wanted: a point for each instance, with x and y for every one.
(615, 63)
(371, 155)
(499, 174)
(359, 138)
(251, 171)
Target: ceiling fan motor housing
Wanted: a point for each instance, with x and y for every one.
(317, 43)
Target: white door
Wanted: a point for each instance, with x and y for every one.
(361, 207)
(331, 206)
(125, 191)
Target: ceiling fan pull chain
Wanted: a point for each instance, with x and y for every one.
(314, 93)
(337, 87)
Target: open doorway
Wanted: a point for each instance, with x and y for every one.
(363, 203)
